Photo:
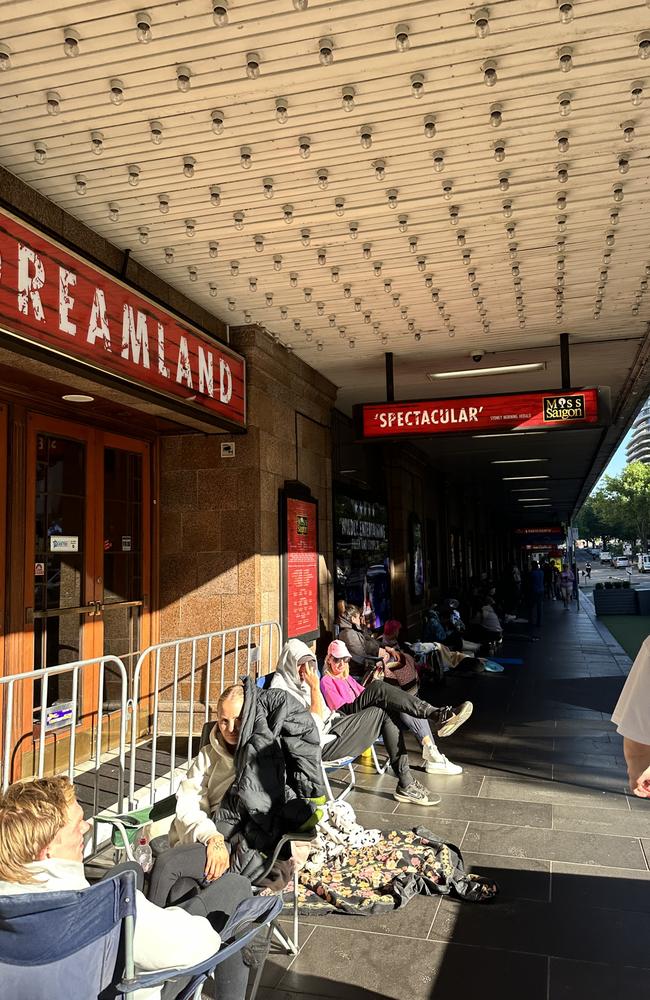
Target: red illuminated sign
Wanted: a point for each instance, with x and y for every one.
(57, 301)
(300, 517)
(479, 413)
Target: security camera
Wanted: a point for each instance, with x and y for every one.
(476, 354)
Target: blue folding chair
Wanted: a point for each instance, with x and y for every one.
(57, 945)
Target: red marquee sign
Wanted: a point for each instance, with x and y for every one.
(527, 410)
(55, 300)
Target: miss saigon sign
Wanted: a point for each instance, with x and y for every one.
(54, 300)
(524, 411)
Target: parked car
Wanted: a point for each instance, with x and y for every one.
(620, 562)
(643, 562)
(605, 557)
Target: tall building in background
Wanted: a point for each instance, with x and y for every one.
(638, 448)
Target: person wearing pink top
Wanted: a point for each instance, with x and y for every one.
(338, 688)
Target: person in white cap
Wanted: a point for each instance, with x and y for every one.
(338, 689)
(632, 719)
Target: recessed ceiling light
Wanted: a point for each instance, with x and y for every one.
(509, 434)
(515, 461)
(528, 499)
(530, 506)
(77, 397)
(512, 479)
(531, 489)
(536, 366)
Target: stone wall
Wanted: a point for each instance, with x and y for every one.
(219, 563)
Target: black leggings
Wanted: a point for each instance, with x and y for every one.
(216, 901)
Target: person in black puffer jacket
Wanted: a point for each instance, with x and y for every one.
(359, 641)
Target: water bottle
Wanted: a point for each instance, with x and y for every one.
(143, 855)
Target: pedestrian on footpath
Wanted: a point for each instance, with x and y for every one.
(566, 584)
(632, 719)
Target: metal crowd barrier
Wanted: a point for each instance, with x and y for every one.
(50, 721)
(219, 657)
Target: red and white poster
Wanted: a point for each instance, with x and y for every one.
(524, 411)
(301, 568)
(57, 301)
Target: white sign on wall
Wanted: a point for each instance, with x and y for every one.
(64, 543)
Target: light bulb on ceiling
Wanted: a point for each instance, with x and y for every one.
(562, 173)
(507, 209)
(644, 44)
(353, 230)
(618, 193)
(190, 228)
(113, 212)
(402, 37)
(116, 92)
(40, 152)
(293, 279)
(417, 85)
(268, 298)
(267, 187)
(402, 223)
(623, 164)
(388, 287)
(320, 308)
(614, 217)
(133, 174)
(504, 182)
(80, 183)
(453, 215)
(234, 268)
(438, 161)
(238, 220)
(413, 244)
(322, 177)
(347, 98)
(213, 250)
(322, 257)
(628, 131)
(391, 195)
(339, 206)
(461, 238)
(636, 93)
(331, 319)
(481, 22)
(143, 27)
(163, 203)
(169, 255)
(245, 157)
(252, 65)
(71, 40)
(365, 136)
(252, 284)
(560, 201)
(565, 57)
(380, 169)
(610, 239)
(232, 305)
(53, 102)
(217, 118)
(489, 69)
(564, 101)
(189, 163)
(305, 237)
(366, 251)
(367, 317)
(422, 264)
(287, 214)
(511, 230)
(395, 300)
(220, 13)
(428, 281)
(307, 293)
(193, 273)
(183, 78)
(563, 142)
(258, 244)
(215, 195)
(281, 110)
(5, 58)
(496, 116)
(326, 51)
(347, 291)
(284, 312)
(334, 275)
(156, 132)
(435, 296)
(319, 345)
(429, 126)
(357, 305)
(304, 146)
(143, 235)
(377, 268)
(277, 262)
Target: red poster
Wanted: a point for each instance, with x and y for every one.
(469, 414)
(57, 301)
(302, 568)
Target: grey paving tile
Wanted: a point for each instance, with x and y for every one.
(570, 980)
(507, 811)
(517, 878)
(588, 885)
(554, 845)
(450, 830)
(531, 763)
(595, 819)
(593, 777)
(561, 791)
(412, 921)
(562, 930)
(416, 970)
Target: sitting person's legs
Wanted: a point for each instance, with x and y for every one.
(187, 861)
(392, 699)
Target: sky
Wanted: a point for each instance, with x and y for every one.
(616, 463)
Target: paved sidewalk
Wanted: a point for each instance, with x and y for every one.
(542, 808)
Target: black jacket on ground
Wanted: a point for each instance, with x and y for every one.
(278, 769)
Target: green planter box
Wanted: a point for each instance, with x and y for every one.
(616, 602)
(643, 600)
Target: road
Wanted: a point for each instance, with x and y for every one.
(603, 573)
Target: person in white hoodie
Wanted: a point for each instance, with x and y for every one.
(42, 831)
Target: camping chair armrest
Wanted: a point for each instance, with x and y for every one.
(287, 838)
(126, 825)
(237, 931)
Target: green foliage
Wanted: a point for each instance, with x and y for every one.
(598, 586)
(620, 509)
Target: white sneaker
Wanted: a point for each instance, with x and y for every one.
(440, 765)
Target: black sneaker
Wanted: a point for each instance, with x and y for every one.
(416, 794)
(452, 718)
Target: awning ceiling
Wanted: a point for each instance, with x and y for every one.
(551, 229)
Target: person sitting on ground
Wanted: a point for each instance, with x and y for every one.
(487, 620)
(338, 688)
(355, 727)
(258, 777)
(467, 662)
(42, 830)
(361, 643)
(632, 719)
